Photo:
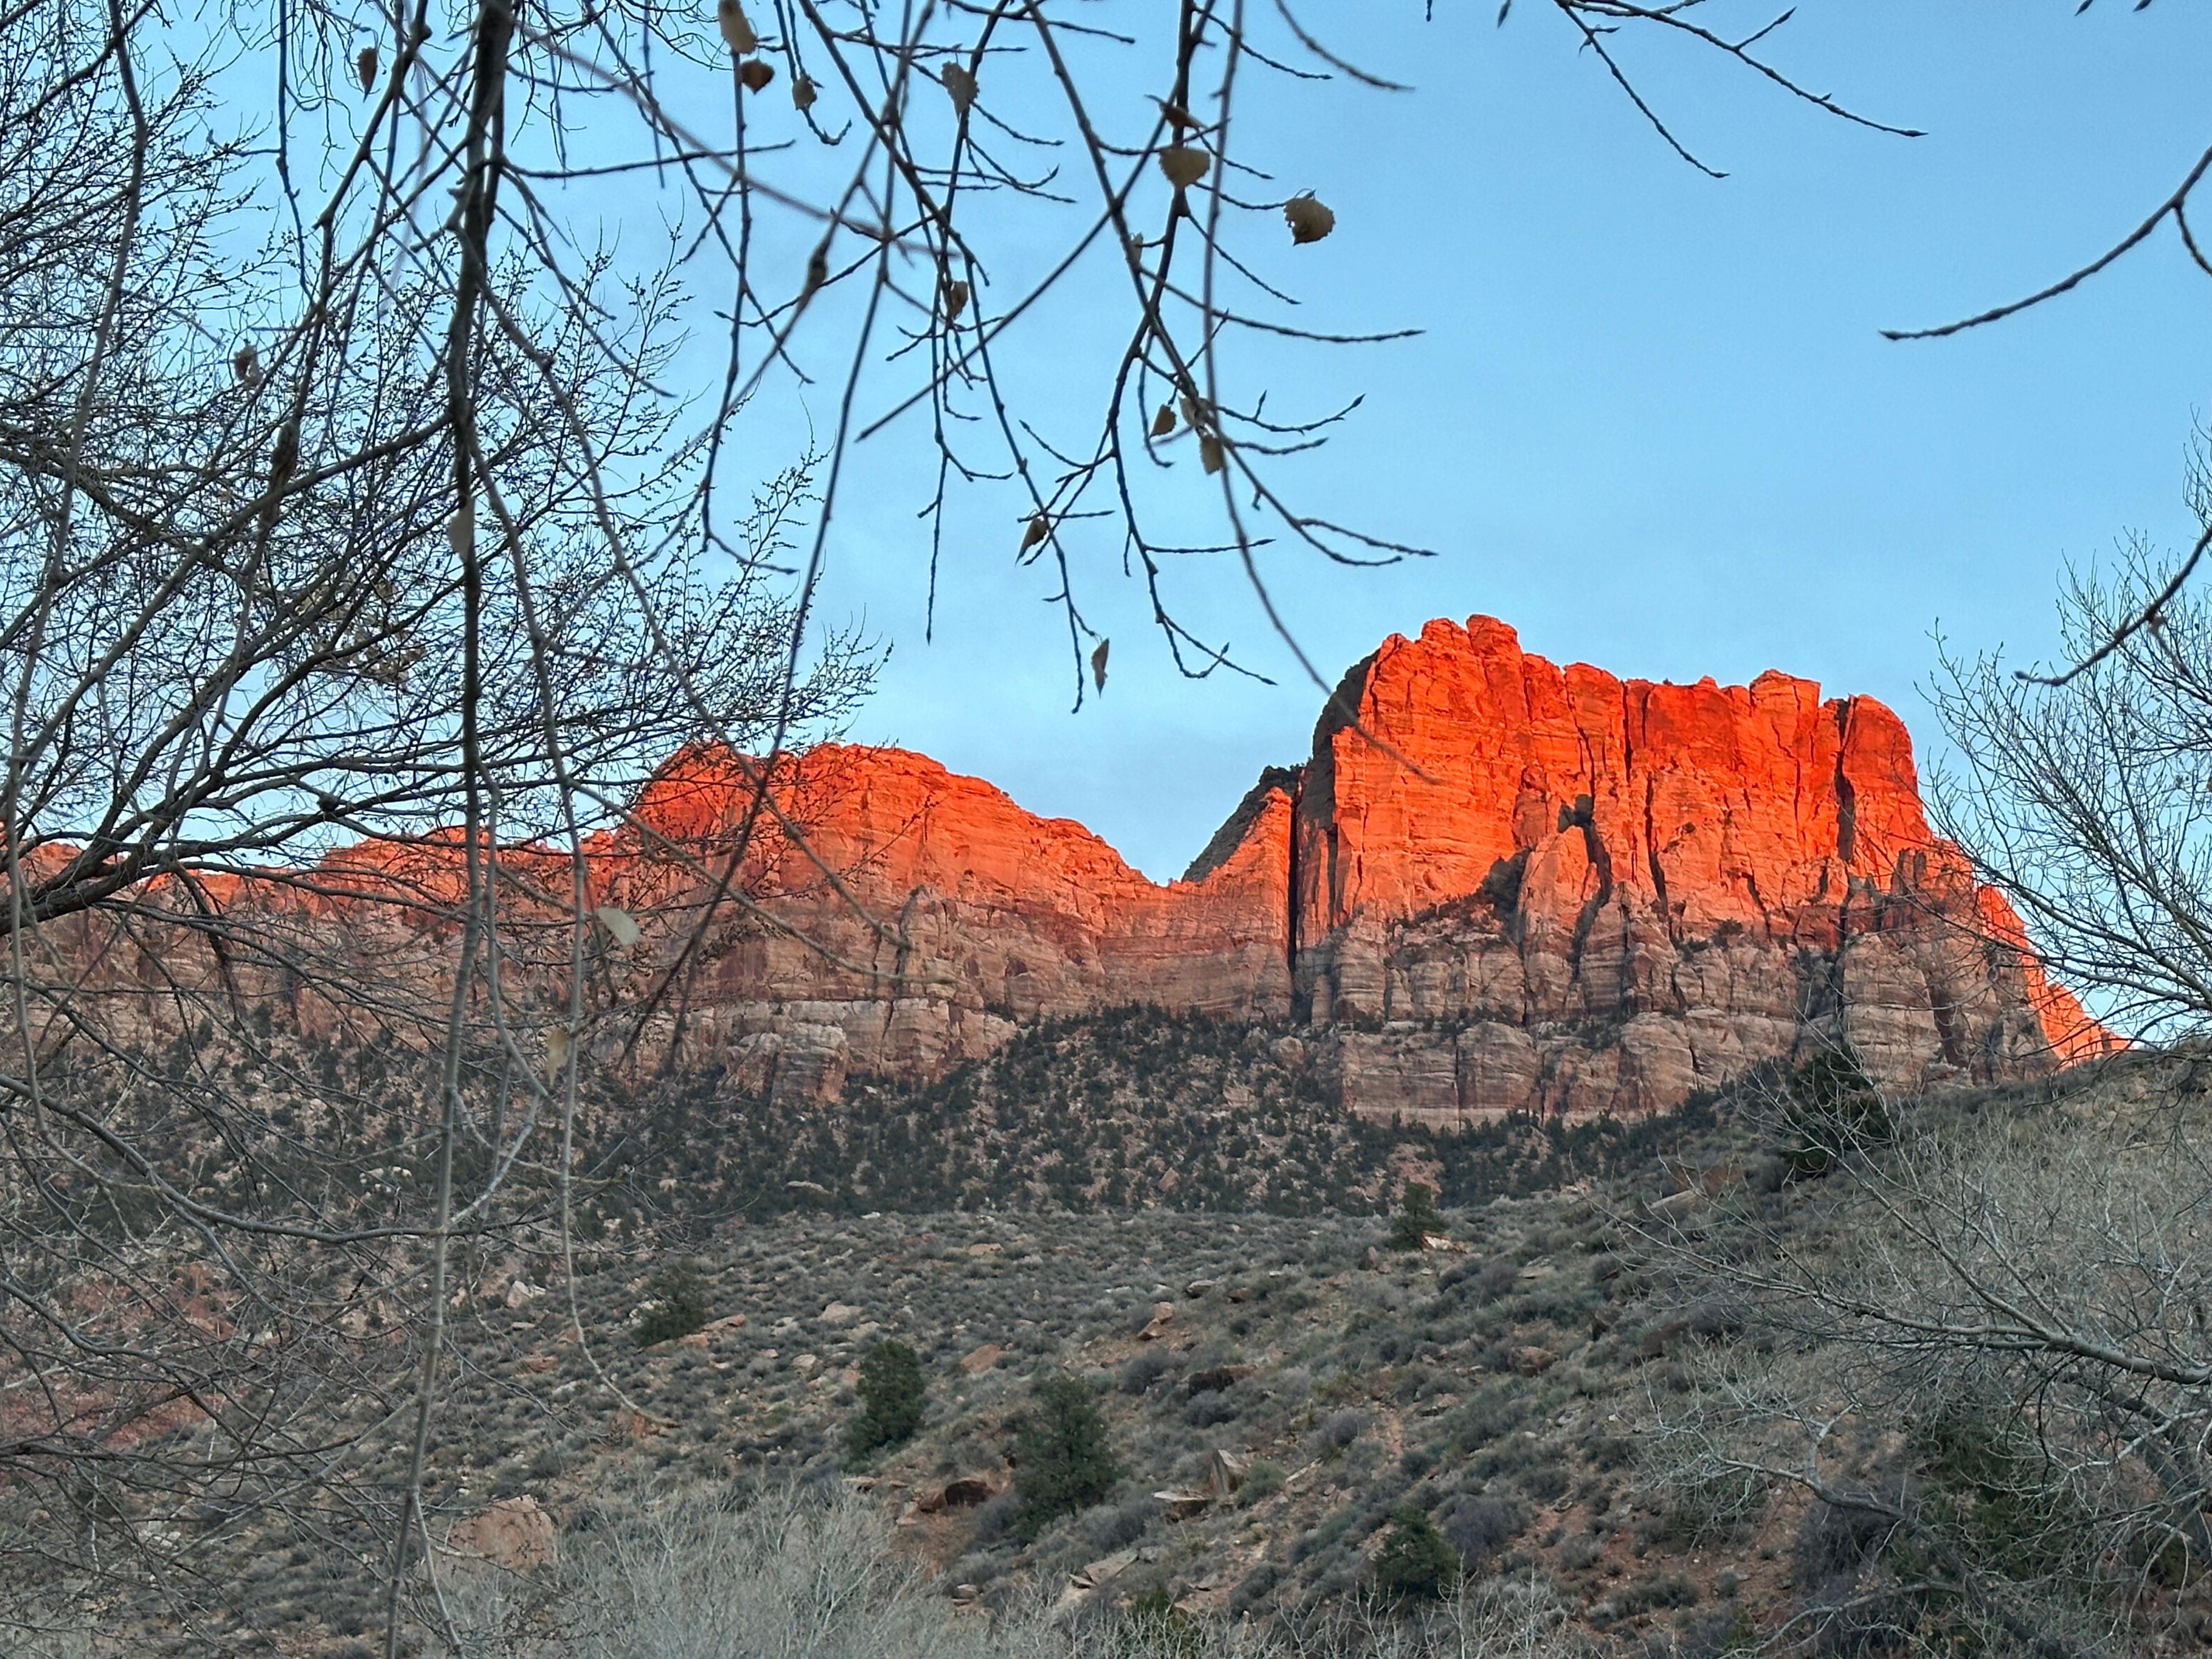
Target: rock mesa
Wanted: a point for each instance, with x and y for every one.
(1496, 885)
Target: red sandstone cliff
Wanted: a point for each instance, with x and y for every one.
(1497, 885)
(1624, 891)
(926, 914)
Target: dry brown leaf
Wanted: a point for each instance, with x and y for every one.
(1040, 527)
(802, 94)
(1098, 664)
(755, 73)
(1164, 421)
(621, 925)
(558, 1046)
(737, 28)
(961, 83)
(1184, 166)
(1211, 456)
(364, 65)
(1310, 218)
(956, 297)
(1191, 410)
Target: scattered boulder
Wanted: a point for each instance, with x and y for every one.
(513, 1532)
(976, 1361)
(962, 1491)
(1533, 1361)
(1085, 1580)
(1215, 1377)
(1163, 1317)
(1676, 1206)
(1226, 1472)
(1183, 1503)
(840, 1312)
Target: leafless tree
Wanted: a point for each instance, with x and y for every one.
(1976, 1352)
(2083, 796)
(364, 554)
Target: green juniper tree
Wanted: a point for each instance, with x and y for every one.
(1415, 1562)
(892, 1395)
(675, 1304)
(1417, 1218)
(1061, 1460)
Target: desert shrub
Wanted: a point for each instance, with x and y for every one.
(1417, 1217)
(1582, 1551)
(1144, 1369)
(995, 1518)
(1482, 1282)
(1415, 1562)
(1339, 1429)
(1162, 1629)
(1264, 1478)
(1490, 1415)
(1477, 1528)
(1210, 1409)
(892, 1395)
(675, 1304)
(1112, 1526)
(1062, 1462)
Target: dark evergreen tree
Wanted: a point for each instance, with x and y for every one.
(1415, 1562)
(1417, 1218)
(892, 1395)
(1061, 1460)
(676, 1299)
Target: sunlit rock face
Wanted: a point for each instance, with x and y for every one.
(1497, 885)
(918, 917)
(1615, 893)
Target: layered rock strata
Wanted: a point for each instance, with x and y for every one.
(1497, 885)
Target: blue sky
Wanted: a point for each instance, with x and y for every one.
(1652, 421)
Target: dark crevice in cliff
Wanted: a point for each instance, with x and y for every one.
(1847, 825)
(1651, 852)
(1847, 801)
(1584, 816)
(1297, 789)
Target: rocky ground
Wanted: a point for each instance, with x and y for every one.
(1287, 1380)
(1276, 1388)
